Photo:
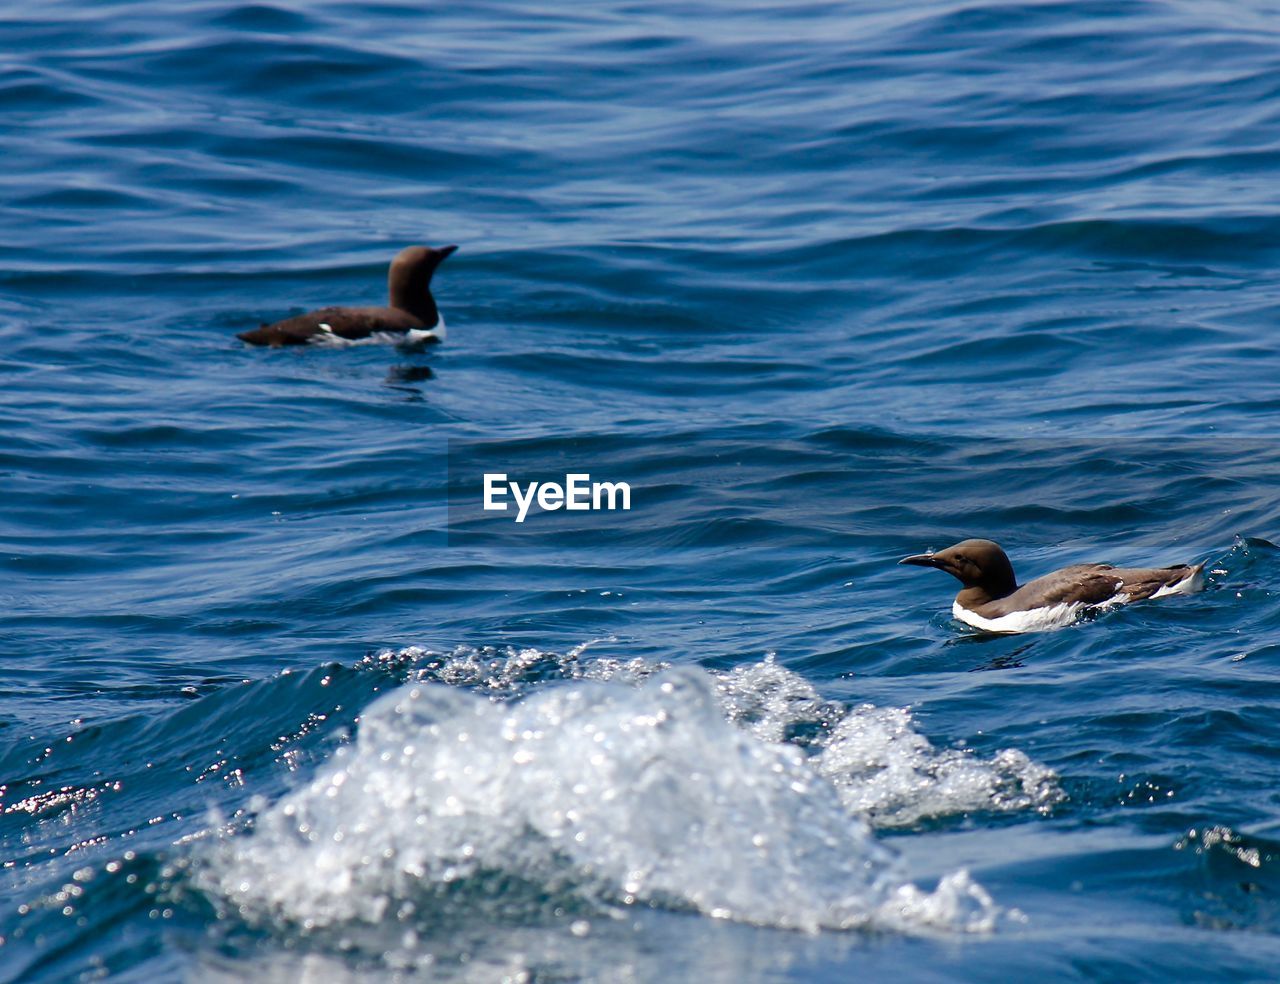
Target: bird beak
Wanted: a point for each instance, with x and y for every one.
(922, 560)
(446, 251)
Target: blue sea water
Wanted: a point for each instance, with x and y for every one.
(829, 284)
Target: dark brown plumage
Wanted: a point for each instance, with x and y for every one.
(410, 307)
(991, 598)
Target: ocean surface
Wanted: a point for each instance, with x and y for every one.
(827, 284)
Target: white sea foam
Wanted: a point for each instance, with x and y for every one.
(589, 795)
(889, 772)
(882, 767)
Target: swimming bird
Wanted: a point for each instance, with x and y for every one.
(992, 600)
(411, 314)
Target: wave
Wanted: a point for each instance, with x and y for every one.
(624, 785)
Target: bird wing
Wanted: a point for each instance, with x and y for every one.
(342, 322)
(1089, 584)
(1099, 584)
(1141, 582)
(353, 323)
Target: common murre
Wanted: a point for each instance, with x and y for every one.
(991, 599)
(411, 316)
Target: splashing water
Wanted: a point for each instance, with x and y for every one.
(882, 767)
(588, 796)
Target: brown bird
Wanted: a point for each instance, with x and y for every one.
(992, 600)
(411, 314)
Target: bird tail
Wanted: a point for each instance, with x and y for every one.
(1193, 582)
